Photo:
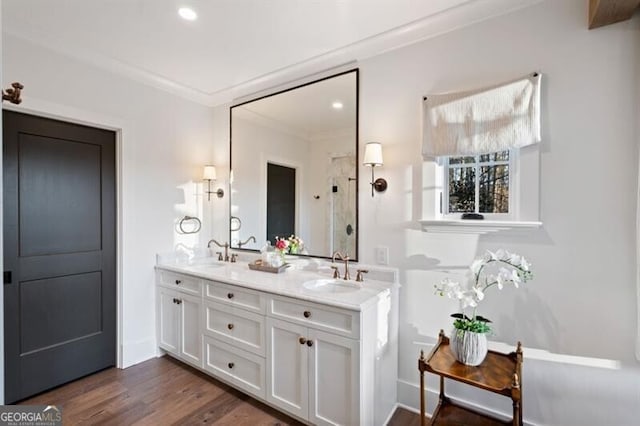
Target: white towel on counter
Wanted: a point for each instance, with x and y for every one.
(485, 120)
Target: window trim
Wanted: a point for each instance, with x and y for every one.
(514, 187)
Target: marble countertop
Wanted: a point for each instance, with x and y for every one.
(291, 282)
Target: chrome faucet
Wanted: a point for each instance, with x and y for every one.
(242, 243)
(226, 249)
(345, 258)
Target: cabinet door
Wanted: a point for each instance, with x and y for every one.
(190, 329)
(168, 320)
(334, 373)
(287, 367)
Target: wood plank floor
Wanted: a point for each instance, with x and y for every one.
(404, 417)
(163, 391)
(160, 391)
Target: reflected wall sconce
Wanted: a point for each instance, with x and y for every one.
(373, 158)
(209, 174)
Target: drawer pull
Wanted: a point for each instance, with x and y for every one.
(178, 282)
(230, 365)
(306, 314)
(302, 340)
(230, 326)
(230, 295)
(309, 343)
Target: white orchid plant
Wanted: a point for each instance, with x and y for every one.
(494, 269)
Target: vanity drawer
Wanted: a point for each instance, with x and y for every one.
(321, 317)
(235, 326)
(184, 283)
(236, 296)
(243, 369)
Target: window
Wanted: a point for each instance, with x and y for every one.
(479, 184)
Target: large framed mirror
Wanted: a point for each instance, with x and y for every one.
(294, 168)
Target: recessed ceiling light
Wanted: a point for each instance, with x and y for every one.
(337, 105)
(187, 13)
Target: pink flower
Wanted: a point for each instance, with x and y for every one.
(281, 244)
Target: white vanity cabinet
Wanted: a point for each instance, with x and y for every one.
(313, 374)
(179, 328)
(320, 363)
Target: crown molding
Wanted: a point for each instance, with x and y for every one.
(446, 21)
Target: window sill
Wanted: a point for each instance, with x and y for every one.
(459, 226)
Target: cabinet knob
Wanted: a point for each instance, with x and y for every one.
(302, 340)
(230, 295)
(230, 326)
(178, 301)
(230, 365)
(309, 343)
(307, 314)
(174, 300)
(178, 282)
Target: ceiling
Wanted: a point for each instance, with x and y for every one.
(232, 42)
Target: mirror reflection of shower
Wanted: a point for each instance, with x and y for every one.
(343, 211)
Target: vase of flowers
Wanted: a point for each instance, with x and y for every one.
(282, 247)
(291, 245)
(296, 244)
(469, 337)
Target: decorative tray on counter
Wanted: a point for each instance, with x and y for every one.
(258, 265)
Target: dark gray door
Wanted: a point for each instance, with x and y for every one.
(281, 201)
(59, 252)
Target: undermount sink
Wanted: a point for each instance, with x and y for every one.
(330, 285)
(207, 265)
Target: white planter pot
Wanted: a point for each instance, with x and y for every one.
(468, 347)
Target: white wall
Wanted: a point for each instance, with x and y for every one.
(581, 306)
(165, 142)
(582, 300)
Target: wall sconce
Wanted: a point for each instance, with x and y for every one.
(209, 174)
(373, 158)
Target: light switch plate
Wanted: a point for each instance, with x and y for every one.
(382, 255)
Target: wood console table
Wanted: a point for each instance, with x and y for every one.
(499, 373)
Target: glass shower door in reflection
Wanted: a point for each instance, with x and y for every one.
(343, 200)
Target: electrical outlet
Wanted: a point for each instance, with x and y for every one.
(382, 255)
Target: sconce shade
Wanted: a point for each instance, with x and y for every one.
(373, 154)
(209, 173)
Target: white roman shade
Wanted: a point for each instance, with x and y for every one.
(485, 120)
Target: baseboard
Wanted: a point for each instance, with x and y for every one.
(136, 352)
(409, 399)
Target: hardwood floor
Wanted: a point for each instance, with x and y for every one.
(160, 391)
(404, 417)
(163, 391)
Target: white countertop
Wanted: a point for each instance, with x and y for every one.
(287, 283)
